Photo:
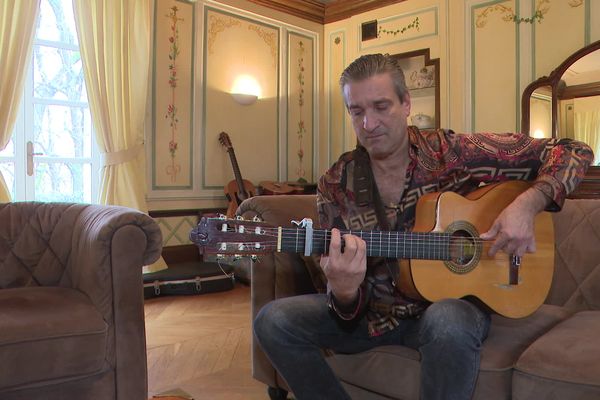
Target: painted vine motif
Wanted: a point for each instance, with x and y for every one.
(541, 8)
(413, 25)
(301, 130)
(171, 114)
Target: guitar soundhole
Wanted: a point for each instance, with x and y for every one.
(465, 247)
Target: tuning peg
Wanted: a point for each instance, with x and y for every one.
(254, 257)
(239, 217)
(237, 257)
(222, 216)
(256, 219)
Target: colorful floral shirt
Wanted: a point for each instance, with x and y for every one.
(442, 161)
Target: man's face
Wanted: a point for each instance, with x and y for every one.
(378, 116)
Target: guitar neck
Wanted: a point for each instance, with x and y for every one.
(413, 245)
(238, 176)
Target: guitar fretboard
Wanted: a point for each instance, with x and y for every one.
(413, 245)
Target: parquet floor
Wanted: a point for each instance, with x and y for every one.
(201, 345)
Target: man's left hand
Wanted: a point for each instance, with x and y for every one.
(513, 229)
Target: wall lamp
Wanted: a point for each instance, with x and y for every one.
(245, 90)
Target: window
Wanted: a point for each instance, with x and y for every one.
(53, 155)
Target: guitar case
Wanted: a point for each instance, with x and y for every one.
(189, 278)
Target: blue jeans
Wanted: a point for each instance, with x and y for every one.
(293, 330)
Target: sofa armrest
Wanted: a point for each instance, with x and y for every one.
(277, 275)
(110, 245)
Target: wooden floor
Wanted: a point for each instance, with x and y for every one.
(201, 345)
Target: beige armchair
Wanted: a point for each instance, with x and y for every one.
(71, 302)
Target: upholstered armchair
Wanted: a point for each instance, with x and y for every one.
(71, 301)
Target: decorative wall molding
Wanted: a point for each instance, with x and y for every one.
(172, 115)
(316, 11)
(416, 24)
(541, 8)
(219, 24)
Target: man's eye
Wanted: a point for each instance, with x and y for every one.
(355, 112)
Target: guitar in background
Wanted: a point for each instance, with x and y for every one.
(238, 189)
(274, 188)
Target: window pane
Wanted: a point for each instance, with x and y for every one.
(9, 150)
(61, 131)
(8, 172)
(57, 22)
(57, 74)
(63, 182)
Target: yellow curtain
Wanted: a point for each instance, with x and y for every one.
(17, 29)
(587, 130)
(114, 38)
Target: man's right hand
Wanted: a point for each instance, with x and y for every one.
(345, 270)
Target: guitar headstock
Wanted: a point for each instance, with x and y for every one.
(234, 236)
(225, 141)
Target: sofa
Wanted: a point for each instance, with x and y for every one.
(552, 354)
(71, 301)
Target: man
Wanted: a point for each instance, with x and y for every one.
(376, 186)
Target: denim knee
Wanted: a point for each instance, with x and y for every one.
(454, 320)
(265, 322)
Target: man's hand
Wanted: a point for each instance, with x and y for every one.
(514, 227)
(345, 270)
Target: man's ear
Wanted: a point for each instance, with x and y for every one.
(406, 103)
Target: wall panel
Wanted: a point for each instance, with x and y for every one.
(301, 99)
(559, 33)
(236, 46)
(494, 49)
(172, 133)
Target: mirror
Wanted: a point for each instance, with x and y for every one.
(566, 104)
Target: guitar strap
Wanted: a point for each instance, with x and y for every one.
(366, 192)
(365, 189)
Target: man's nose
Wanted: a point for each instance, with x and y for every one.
(370, 121)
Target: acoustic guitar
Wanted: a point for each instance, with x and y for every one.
(238, 189)
(443, 257)
(274, 188)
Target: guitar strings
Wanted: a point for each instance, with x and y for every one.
(427, 237)
(436, 244)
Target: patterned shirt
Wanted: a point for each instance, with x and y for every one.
(442, 161)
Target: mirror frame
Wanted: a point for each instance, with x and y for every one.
(590, 186)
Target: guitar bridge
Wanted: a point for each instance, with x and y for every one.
(513, 271)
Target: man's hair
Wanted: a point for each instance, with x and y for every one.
(373, 64)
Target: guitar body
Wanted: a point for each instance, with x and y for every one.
(274, 188)
(479, 275)
(235, 196)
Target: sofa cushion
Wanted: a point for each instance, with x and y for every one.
(505, 342)
(398, 370)
(48, 333)
(568, 354)
(576, 280)
(399, 367)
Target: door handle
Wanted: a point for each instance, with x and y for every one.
(30, 155)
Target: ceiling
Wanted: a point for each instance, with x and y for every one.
(324, 11)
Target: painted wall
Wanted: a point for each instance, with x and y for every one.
(201, 49)
(488, 50)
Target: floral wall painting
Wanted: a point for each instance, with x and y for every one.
(300, 108)
(172, 101)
